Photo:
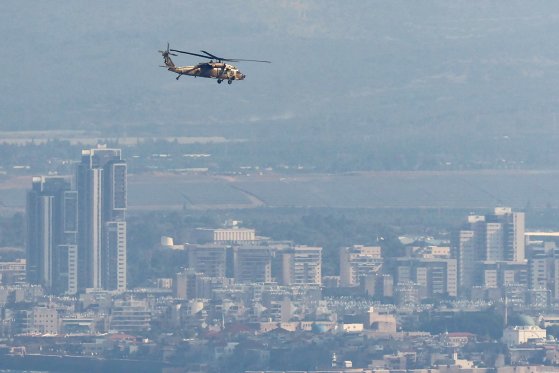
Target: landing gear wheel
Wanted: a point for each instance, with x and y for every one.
(178, 77)
(229, 81)
(219, 81)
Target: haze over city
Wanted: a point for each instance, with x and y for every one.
(392, 71)
(382, 197)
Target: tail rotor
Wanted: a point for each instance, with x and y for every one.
(167, 52)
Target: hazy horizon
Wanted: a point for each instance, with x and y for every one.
(378, 65)
(416, 85)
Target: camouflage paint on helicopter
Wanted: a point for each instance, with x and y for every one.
(217, 69)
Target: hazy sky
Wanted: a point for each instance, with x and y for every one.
(383, 65)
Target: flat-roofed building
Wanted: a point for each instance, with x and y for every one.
(252, 264)
(501, 274)
(496, 237)
(358, 261)
(45, 320)
(13, 273)
(302, 265)
(209, 259)
(233, 235)
(130, 316)
(435, 277)
(516, 335)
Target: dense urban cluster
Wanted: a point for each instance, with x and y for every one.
(482, 301)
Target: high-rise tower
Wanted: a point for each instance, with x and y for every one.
(51, 212)
(101, 187)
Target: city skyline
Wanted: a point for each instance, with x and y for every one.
(380, 198)
(230, 275)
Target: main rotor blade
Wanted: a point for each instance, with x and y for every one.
(251, 60)
(193, 54)
(213, 56)
(232, 59)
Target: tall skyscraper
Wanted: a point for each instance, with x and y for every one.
(51, 245)
(101, 187)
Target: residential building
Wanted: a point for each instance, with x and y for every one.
(496, 237)
(13, 273)
(358, 261)
(435, 277)
(38, 320)
(130, 316)
(209, 259)
(505, 235)
(45, 320)
(302, 265)
(252, 264)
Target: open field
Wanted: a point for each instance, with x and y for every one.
(468, 189)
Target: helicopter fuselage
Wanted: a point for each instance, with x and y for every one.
(216, 70)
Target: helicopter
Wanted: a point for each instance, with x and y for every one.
(216, 68)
